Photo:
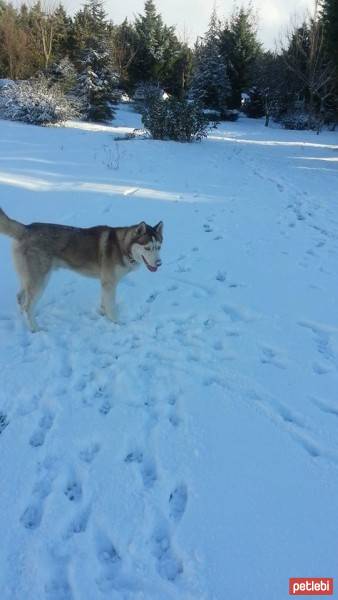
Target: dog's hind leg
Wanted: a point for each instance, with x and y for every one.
(33, 269)
(32, 293)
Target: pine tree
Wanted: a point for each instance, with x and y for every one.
(63, 73)
(63, 40)
(329, 11)
(124, 49)
(240, 49)
(95, 87)
(90, 25)
(210, 83)
(97, 78)
(176, 79)
(157, 47)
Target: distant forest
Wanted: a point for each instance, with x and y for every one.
(91, 57)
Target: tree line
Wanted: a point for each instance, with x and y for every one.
(228, 68)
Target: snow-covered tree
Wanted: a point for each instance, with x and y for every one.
(96, 84)
(159, 57)
(210, 83)
(97, 78)
(64, 74)
(240, 49)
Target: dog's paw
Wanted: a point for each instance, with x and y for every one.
(35, 328)
(113, 319)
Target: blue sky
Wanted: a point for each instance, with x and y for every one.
(191, 16)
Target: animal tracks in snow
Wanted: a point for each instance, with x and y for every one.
(33, 513)
(295, 425)
(89, 452)
(169, 566)
(322, 335)
(73, 490)
(270, 356)
(39, 435)
(173, 414)
(159, 411)
(146, 465)
(78, 524)
(3, 422)
(238, 313)
(110, 563)
(177, 502)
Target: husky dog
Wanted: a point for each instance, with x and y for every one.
(107, 253)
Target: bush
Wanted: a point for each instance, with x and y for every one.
(174, 119)
(36, 102)
(229, 114)
(296, 120)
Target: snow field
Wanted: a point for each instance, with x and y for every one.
(191, 451)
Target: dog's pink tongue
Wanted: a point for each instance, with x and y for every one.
(150, 267)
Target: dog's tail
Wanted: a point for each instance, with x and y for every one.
(10, 227)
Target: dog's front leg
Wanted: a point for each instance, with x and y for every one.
(108, 302)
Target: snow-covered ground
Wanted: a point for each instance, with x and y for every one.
(191, 452)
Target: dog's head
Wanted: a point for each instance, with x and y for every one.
(146, 245)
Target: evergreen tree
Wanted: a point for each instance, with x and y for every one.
(240, 49)
(176, 79)
(63, 34)
(210, 82)
(157, 48)
(329, 12)
(310, 73)
(149, 30)
(97, 78)
(271, 81)
(96, 83)
(63, 73)
(124, 49)
(330, 23)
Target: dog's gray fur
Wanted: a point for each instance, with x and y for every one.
(107, 253)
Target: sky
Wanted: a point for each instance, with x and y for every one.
(191, 16)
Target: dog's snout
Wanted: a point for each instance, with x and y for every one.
(158, 262)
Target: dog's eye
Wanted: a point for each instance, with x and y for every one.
(147, 249)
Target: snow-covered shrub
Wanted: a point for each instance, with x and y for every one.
(296, 120)
(36, 102)
(174, 119)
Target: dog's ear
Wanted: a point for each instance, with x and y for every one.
(141, 228)
(159, 229)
